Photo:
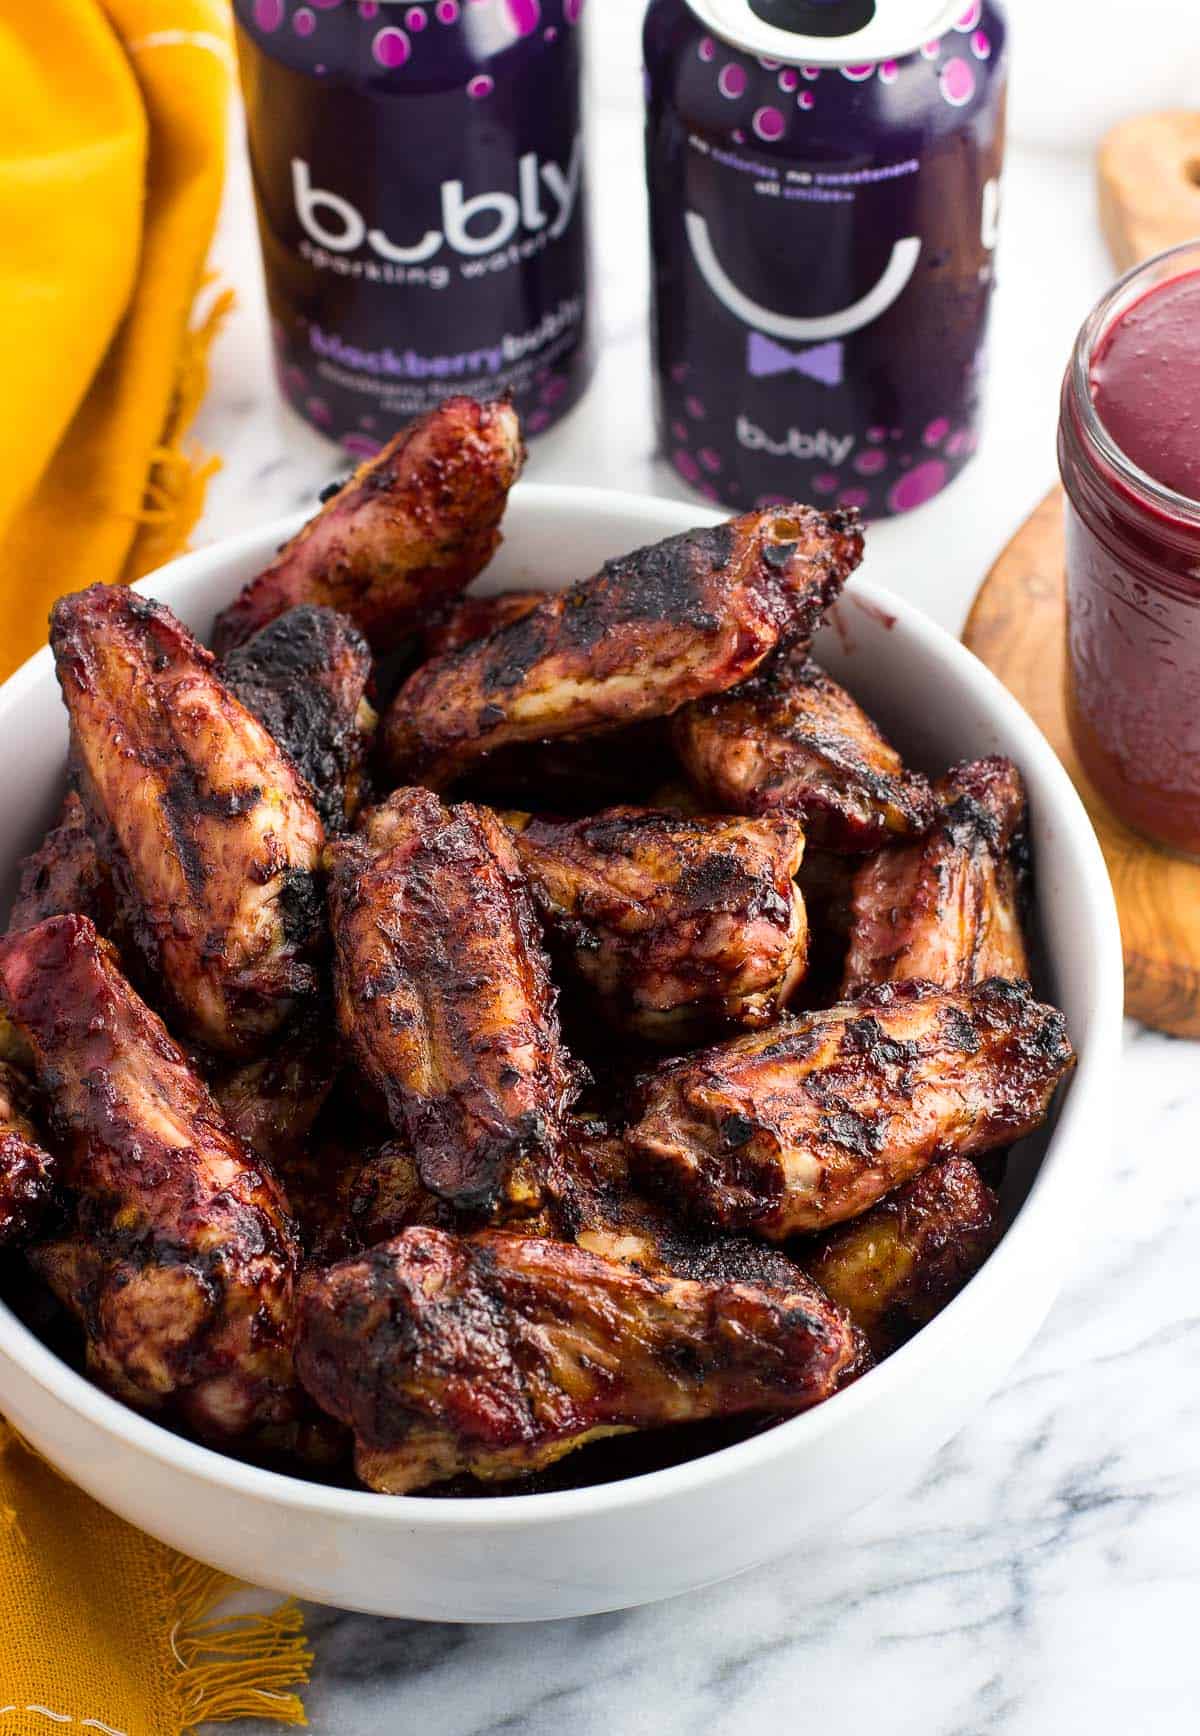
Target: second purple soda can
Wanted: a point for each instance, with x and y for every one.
(824, 196)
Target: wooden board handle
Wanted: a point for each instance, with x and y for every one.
(1150, 185)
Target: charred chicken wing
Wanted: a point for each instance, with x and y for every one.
(28, 1172)
(947, 909)
(810, 1123)
(181, 1260)
(899, 1264)
(497, 1354)
(693, 615)
(472, 618)
(675, 924)
(212, 839)
(793, 742)
(65, 876)
(410, 529)
(444, 994)
(305, 678)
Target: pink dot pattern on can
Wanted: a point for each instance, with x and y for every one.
(918, 486)
(931, 50)
(789, 80)
(710, 459)
(481, 86)
(391, 46)
(360, 445)
(319, 411)
(447, 11)
(889, 71)
(981, 45)
(731, 81)
(859, 74)
(876, 435)
(686, 465)
(325, 5)
(526, 15)
(857, 497)
(812, 73)
(768, 123)
(304, 22)
(537, 420)
(971, 17)
(806, 100)
(573, 11)
(694, 408)
(936, 432)
(871, 463)
(708, 49)
(825, 483)
(368, 8)
(268, 14)
(957, 81)
(681, 431)
(415, 19)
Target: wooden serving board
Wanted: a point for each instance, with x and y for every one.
(1017, 625)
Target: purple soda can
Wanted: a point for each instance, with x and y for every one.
(418, 172)
(824, 197)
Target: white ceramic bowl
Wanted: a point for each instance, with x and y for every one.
(518, 1558)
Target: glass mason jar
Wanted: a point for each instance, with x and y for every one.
(1133, 600)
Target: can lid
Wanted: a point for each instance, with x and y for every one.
(831, 32)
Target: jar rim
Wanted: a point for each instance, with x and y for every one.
(1128, 290)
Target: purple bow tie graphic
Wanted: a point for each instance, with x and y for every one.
(765, 358)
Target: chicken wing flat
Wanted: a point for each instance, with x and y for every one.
(475, 617)
(947, 909)
(693, 615)
(410, 529)
(791, 741)
(809, 1124)
(899, 1264)
(181, 1260)
(65, 876)
(444, 994)
(210, 834)
(271, 1104)
(675, 924)
(497, 1354)
(28, 1172)
(305, 678)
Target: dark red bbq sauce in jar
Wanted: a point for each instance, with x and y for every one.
(1129, 450)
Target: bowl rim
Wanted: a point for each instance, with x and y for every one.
(1062, 1167)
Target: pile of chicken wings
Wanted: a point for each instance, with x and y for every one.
(601, 1031)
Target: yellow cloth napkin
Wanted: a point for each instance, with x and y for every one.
(111, 159)
(111, 162)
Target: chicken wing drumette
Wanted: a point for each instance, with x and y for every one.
(810, 1123)
(66, 876)
(28, 1171)
(475, 617)
(212, 839)
(693, 615)
(444, 995)
(677, 925)
(497, 1354)
(410, 529)
(305, 677)
(181, 1258)
(791, 741)
(899, 1264)
(948, 908)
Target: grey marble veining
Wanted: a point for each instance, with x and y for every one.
(1042, 1576)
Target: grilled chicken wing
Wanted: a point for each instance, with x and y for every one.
(899, 1264)
(272, 1104)
(181, 1261)
(410, 529)
(808, 1124)
(28, 1172)
(305, 677)
(472, 618)
(213, 842)
(65, 876)
(693, 615)
(947, 909)
(676, 924)
(497, 1354)
(444, 994)
(791, 741)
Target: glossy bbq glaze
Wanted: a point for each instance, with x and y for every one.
(1130, 462)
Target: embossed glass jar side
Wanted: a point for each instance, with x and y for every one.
(1133, 602)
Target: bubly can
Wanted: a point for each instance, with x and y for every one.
(419, 176)
(824, 195)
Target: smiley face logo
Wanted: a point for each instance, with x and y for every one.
(794, 328)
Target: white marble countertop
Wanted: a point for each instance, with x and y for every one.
(1040, 1577)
